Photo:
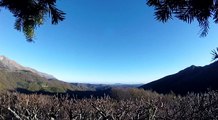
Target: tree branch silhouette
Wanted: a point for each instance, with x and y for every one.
(31, 14)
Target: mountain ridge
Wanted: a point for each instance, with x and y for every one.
(6, 63)
(190, 79)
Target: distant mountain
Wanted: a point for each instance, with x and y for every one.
(121, 85)
(105, 86)
(15, 76)
(191, 79)
(93, 87)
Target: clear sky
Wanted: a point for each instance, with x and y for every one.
(108, 41)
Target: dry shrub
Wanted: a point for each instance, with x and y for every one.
(149, 106)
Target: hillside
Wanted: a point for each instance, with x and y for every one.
(15, 76)
(191, 79)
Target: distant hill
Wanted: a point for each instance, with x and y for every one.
(15, 76)
(97, 87)
(191, 79)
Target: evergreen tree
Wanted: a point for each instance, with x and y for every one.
(31, 14)
(187, 11)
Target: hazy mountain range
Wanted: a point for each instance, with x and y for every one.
(191, 79)
(106, 86)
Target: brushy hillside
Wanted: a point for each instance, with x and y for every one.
(151, 106)
(12, 80)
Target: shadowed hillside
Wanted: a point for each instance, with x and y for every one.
(191, 79)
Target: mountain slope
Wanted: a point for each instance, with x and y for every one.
(14, 76)
(10, 65)
(191, 79)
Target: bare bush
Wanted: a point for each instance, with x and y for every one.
(149, 106)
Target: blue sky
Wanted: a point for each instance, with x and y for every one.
(108, 41)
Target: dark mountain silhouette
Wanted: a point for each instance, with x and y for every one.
(15, 76)
(192, 79)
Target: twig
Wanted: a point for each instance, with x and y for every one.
(14, 113)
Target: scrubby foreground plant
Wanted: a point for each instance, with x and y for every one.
(15, 106)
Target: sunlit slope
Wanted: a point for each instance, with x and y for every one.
(14, 76)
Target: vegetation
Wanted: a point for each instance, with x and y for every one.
(31, 14)
(215, 54)
(151, 106)
(187, 11)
